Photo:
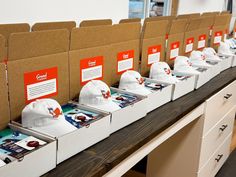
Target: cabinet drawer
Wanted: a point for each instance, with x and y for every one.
(212, 140)
(218, 105)
(217, 160)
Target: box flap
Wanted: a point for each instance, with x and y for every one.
(210, 14)
(222, 20)
(207, 22)
(188, 16)
(7, 29)
(125, 32)
(155, 28)
(193, 24)
(87, 23)
(37, 77)
(4, 108)
(33, 44)
(225, 12)
(53, 25)
(159, 18)
(88, 37)
(130, 20)
(169, 18)
(2, 48)
(178, 26)
(89, 61)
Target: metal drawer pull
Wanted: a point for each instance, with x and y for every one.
(223, 127)
(219, 157)
(227, 96)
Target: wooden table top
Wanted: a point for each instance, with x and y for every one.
(102, 157)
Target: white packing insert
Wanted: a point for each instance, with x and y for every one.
(34, 164)
(226, 61)
(74, 142)
(129, 114)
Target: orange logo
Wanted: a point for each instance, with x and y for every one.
(55, 113)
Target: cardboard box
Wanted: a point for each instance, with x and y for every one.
(204, 32)
(90, 46)
(183, 87)
(190, 36)
(226, 62)
(129, 114)
(153, 44)
(220, 30)
(159, 97)
(7, 29)
(42, 161)
(87, 23)
(130, 20)
(34, 54)
(125, 49)
(54, 25)
(175, 40)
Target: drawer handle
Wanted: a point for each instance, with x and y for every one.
(223, 127)
(227, 96)
(219, 157)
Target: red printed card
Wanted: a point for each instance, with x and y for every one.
(218, 37)
(189, 45)
(201, 41)
(125, 61)
(91, 69)
(174, 50)
(40, 84)
(154, 54)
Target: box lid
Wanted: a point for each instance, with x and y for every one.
(125, 32)
(87, 23)
(130, 20)
(91, 36)
(178, 26)
(33, 44)
(155, 28)
(54, 25)
(7, 29)
(193, 24)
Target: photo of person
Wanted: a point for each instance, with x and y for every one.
(156, 8)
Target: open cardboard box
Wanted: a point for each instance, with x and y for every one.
(190, 36)
(205, 31)
(123, 41)
(35, 162)
(153, 43)
(91, 51)
(175, 40)
(129, 114)
(34, 54)
(153, 50)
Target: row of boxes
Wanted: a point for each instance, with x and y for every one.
(44, 57)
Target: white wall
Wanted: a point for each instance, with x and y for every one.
(31, 11)
(196, 6)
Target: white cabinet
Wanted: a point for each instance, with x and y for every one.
(217, 131)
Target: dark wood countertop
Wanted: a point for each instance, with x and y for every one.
(102, 157)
